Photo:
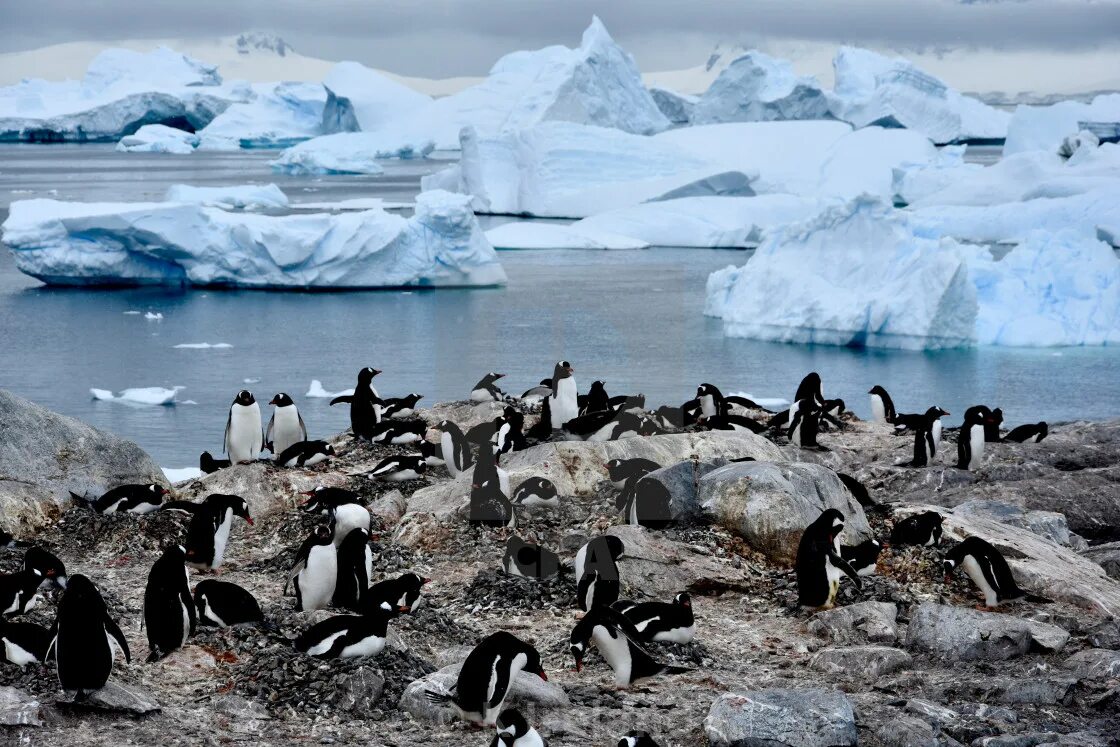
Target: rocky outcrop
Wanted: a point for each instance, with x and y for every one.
(864, 622)
(17, 708)
(764, 718)
(1107, 556)
(266, 489)
(966, 634)
(860, 662)
(1049, 524)
(1094, 663)
(658, 567)
(682, 480)
(43, 455)
(769, 505)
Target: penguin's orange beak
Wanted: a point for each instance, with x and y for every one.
(249, 519)
(425, 581)
(542, 675)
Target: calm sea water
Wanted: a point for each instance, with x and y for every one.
(631, 318)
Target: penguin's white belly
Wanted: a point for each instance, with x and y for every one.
(510, 567)
(617, 653)
(878, 412)
(581, 558)
(503, 481)
(318, 578)
(589, 597)
(402, 475)
(936, 431)
(454, 465)
(285, 428)
(315, 459)
(347, 518)
(564, 405)
(529, 739)
(186, 623)
(324, 645)
(209, 614)
(245, 435)
(796, 437)
(972, 568)
(976, 440)
(221, 539)
(17, 655)
(708, 406)
(677, 635)
(482, 395)
(371, 646)
(833, 574)
(143, 508)
(633, 518)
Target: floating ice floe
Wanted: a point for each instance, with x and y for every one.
(317, 391)
(153, 316)
(202, 345)
(677, 107)
(152, 395)
(758, 88)
(157, 138)
(763, 401)
(181, 474)
(872, 89)
(1045, 127)
(856, 274)
(181, 244)
(552, 236)
(352, 152)
(356, 203)
(232, 197)
(274, 115)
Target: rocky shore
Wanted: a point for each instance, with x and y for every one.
(907, 661)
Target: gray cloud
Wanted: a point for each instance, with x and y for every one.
(464, 37)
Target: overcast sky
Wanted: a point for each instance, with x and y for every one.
(464, 37)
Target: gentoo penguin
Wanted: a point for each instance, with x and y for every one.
(355, 566)
(169, 615)
(882, 406)
(365, 404)
(1037, 431)
(209, 465)
(486, 676)
(919, 420)
(731, 423)
(400, 468)
(920, 529)
(400, 408)
(564, 400)
(222, 604)
(131, 499)
(514, 731)
(489, 504)
(345, 519)
(991, 426)
(710, 400)
(315, 571)
(670, 622)
(346, 636)
(82, 638)
(305, 454)
(285, 427)
(529, 561)
(401, 594)
(208, 533)
(970, 441)
(596, 566)
(324, 499)
(398, 432)
(47, 564)
(670, 417)
(456, 450)
(810, 389)
(988, 569)
(637, 738)
(432, 454)
(244, 439)
(24, 643)
(486, 390)
(804, 425)
(618, 641)
(858, 490)
(536, 493)
(18, 591)
(862, 557)
(537, 394)
(542, 429)
(819, 565)
(596, 399)
(924, 448)
(8, 542)
(645, 502)
(621, 470)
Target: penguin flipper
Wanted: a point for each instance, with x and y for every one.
(501, 685)
(114, 630)
(268, 433)
(438, 698)
(225, 437)
(186, 506)
(51, 647)
(192, 615)
(846, 567)
(302, 426)
(344, 399)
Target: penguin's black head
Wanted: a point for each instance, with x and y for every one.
(323, 534)
(175, 552)
(564, 370)
(831, 522)
(222, 503)
(281, 400)
(996, 416)
(683, 599)
(492, 376)
(511, 725)
(47, 565)
(366, 375)
(877, 390)
(244, 398)
(706, 389)
(934, 413)
(81, 590)
(533, 662)
(615, 546)
(950, 565)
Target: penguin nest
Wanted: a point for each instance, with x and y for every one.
(492, 589)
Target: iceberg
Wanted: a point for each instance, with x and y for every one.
(181, 474)
(202, 345)
(1045, 127)
(274, 115)
(864, 161)
(374, 99)
(150, 395)
(156, 138)
(758, 88)
(677, 107)
(872, 89)
(317, 391)
(1052, 289)
(233, 197)
(857, 274)
(181, 244)
(526, 235)
(352, 152)
(707, 222)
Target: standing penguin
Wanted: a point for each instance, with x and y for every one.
(514, 731)
(617, 640)
(596, 399)
(456, 449)
(564, 400)
(621, 470)
(598, 581)
(489, 502)
(208, 533)
(347, 517)
(991, 426)
(970, 441)
(811, 389)
(355, 566)
(169, 615)
(285, 427)
(243, 439)
(82, 638)
(988, 569)
(222, 604)
(922, 529)
(645, 502)
(486, 390)
(805, 424)
(819, 564)
(315, 571)
(484, 681)
(882, 406)
(365, 404)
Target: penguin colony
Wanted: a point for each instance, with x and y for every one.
(333, 567)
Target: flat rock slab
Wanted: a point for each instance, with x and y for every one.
(863, 622)
(117, 698)
(769, 504)
(968, 634)
(861, 662)
(526, 689)
(767, 718)
(660, 567)
(1107, 556)
(267, 489)
(17, 708)
(1094, 663)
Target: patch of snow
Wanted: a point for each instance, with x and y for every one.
(157, 138)
(1045, 127)
(316, 391)
(182, 244)
(202, 345)
(863, 162)
(528, 235)
(352, 152)
(273, 115)
(232, 197)
(374, 98)
(758, 88)
(181, 474)
(152, 395)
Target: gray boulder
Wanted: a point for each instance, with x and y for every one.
(766, 718)
(654, 565)
(267, 489)
(860, 662)
(1048, 524)
(682, 480)
(1028, 691)
(769, 504)
(1094, 663)
(527, 689)
(117, 698)
(864, 622)
(908, 731)
(967, 634)
(43, 455)
(17, 708)
(1107, 555)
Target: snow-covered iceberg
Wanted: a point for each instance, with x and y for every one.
(677, 107)
(525, 235)
(157, 138)
(1045, 127)
(275, 115)
(148, 395)
(872, 89)
(760, 88)
(352, 152)
(232, 197)
(864, 161)
(181, 244)
(316, 391)
(856, 274)
(375, 99)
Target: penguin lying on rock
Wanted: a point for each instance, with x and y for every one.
(131, 499)
(346, 636)
(671, 622)
(920, 529)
